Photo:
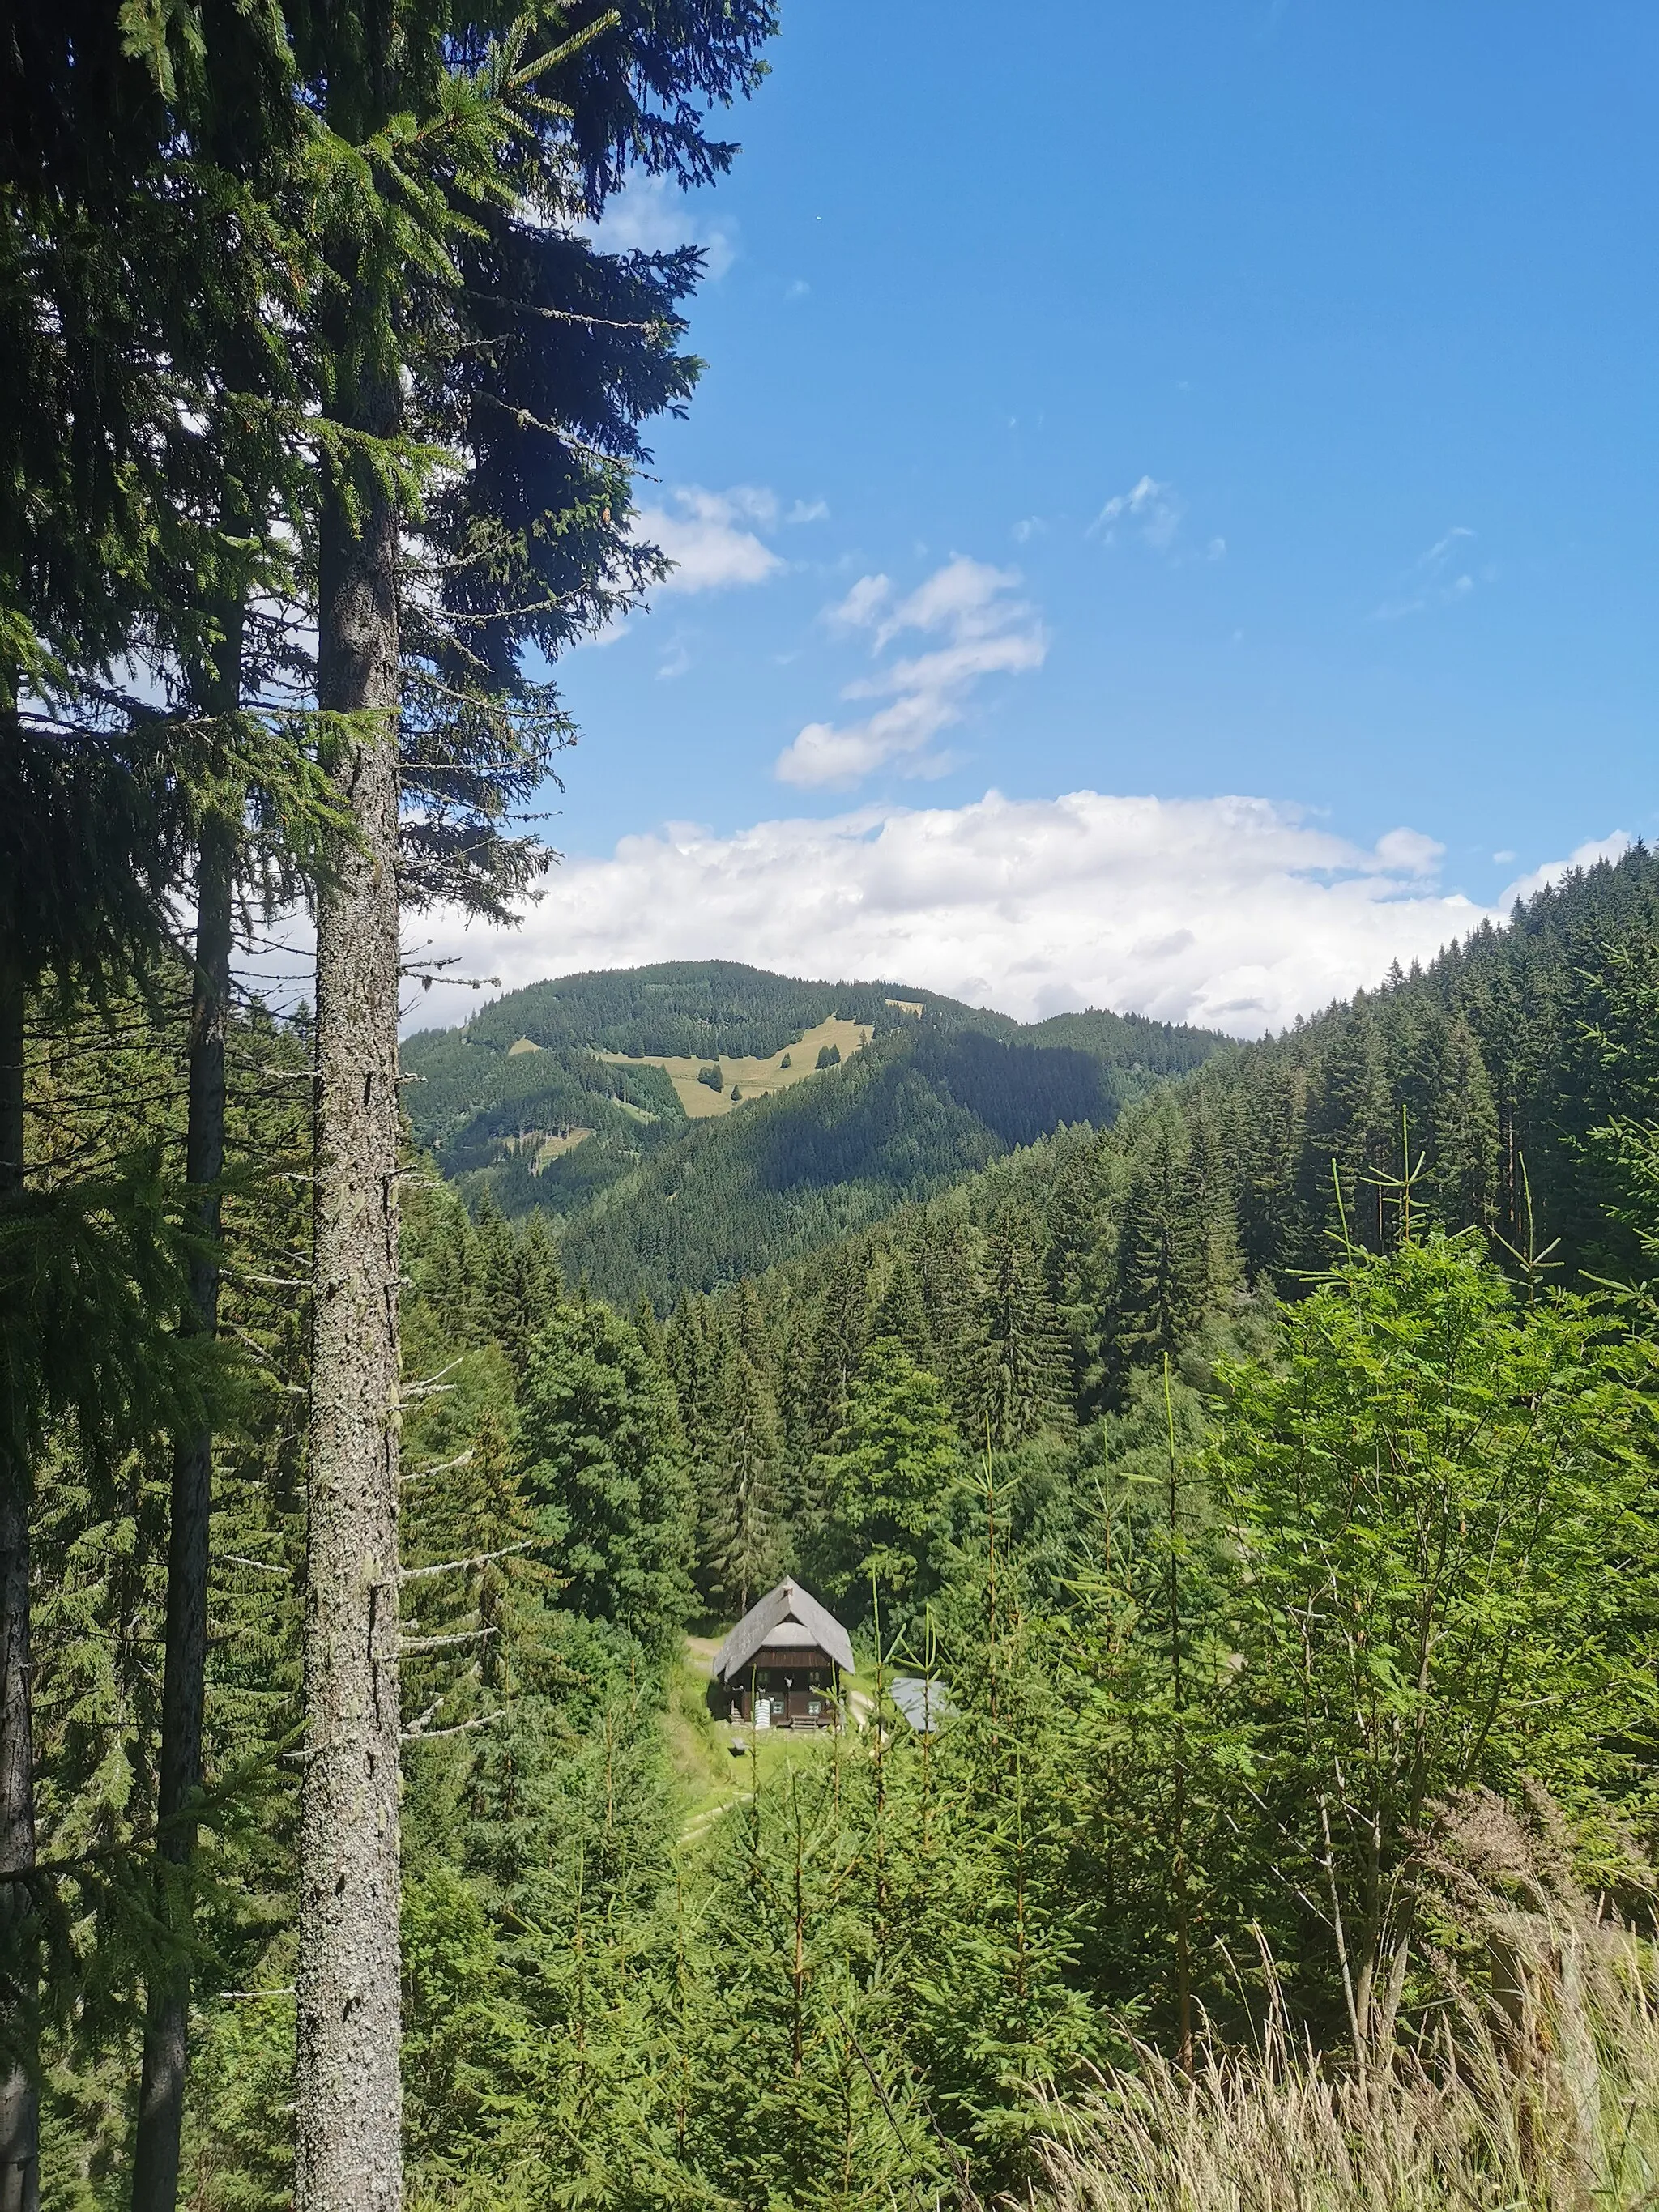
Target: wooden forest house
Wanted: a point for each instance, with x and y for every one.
(781, 1665)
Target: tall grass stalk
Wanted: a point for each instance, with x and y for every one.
(1533, 2083)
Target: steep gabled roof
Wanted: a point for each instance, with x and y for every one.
(789, 1602)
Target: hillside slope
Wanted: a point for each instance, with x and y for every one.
(1513, 1086)
(677, 1121)
(906, 1117)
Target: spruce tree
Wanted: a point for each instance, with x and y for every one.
(899, 1311)
(1462, 1133)
(752, 1335)
(705, 1370)
(91, 1275)
(886, 1488)
(742, 1535)
(692, 1359)
(1072, 1221)
(1272, 1226)
(1353, 1129)
(248, 836)
(88, 847)
(1164, 1274)
(600, 1447)
(498, 1270)
(1026, 1381)
(464, 312)
(734, 1448)
(838, 1342)
(162, 2086)
(948, 1263)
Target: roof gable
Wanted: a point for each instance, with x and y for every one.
(788, 1602)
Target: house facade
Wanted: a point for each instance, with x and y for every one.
(782, 1666)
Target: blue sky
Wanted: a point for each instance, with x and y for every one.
(1216, 398)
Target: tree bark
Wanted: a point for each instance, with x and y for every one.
(20, 2115)
(165, 2057)
(350, 2111)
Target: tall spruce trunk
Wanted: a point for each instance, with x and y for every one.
(19, 2116)
(162, 2081)
(349, 2106)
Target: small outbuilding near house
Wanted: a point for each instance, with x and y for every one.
(926, 1704)
(781, 1665)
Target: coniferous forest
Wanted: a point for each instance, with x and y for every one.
(1254, 1449)
(646, 1200)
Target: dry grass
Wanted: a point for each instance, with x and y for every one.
(1538, 2089)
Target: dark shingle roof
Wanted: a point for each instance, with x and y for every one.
(787, 1604)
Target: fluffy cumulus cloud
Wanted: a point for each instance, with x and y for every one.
(1234, 913)
(712, 538)
(984, 628)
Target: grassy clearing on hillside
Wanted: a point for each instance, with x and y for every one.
(709, 1778)
(550, 1148)
(753, 1079)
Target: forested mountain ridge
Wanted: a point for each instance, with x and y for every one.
(906, 1116)
(701, 1007)
(526, 1104)
(1504, 1088)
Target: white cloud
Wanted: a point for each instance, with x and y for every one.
(987, 632)
(1436, 579)
(863, 602)
(705, 534)
(1152, 509)
(1234, 912)
(1582, 856)
(652, 216)
(1409, 853)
